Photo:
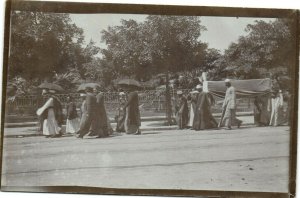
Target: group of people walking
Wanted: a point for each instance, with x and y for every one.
(194, 111)
(94, 120)
(273, 109)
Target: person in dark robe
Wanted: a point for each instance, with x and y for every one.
(192, 102)
(287, 98)
(58, 110)
(88, 114)
(203, 118)
(120, 118)
(182, 111)
(133, 119)
(100, 123)
(262, 110)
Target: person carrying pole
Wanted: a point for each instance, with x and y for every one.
(229, 107)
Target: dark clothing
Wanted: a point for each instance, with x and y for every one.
(182, 113)
(57, 107)
(88, 114)
(261, 113)
(132, 106)
(132, 119)
(99, 125)
(203, 117)
(71, 111)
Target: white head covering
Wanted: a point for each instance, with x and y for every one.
(194, 92)
(52, 91)
(179, 92)
(82, 94)
(122, 94)
(227, 80)
(198, 87)
(45, 91)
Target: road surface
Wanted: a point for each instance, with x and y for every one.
(246, 159)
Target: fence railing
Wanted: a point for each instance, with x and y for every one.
(153, 102)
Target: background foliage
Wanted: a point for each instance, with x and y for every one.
(49, 47)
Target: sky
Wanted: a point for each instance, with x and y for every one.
(220, 33)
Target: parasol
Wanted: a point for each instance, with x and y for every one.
(51, 86)
(129, 82)
(85, 85)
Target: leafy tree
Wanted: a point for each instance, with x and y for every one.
(265, 49)
(47, 46)
(126, 48)
(173, 42)
(154, 46)
(42, 44)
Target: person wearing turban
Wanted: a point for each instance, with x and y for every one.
(229, 107)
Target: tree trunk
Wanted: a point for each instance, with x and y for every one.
(168, 101)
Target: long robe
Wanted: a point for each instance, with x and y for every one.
(203, 117)
(261, 111)
(277, 117)
(132, 119)
(88, 114)
(50, 124)
(192, 110)
(182, 113)
(100, 123)
(120, 118)
(72, 124)
(40, 102)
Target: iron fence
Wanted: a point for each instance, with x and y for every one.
(152, 103)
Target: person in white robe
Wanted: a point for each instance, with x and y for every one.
(276, 112)
(72, 124)
(51, 126)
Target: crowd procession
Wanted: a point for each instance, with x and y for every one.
(190, 111)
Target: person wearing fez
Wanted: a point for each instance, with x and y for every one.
(229, 107)
(88, 113)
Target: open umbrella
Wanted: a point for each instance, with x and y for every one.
(85, 85)
(129, 82)
(51, 86)
(161, 87)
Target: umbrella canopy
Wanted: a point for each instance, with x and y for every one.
(51, 86)
(129, 82)
(85, 85)
(244, 88)
(161, 87)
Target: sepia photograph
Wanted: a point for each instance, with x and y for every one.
(149, 100)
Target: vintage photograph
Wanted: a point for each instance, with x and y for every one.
(149, 101)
